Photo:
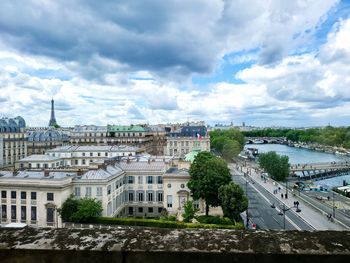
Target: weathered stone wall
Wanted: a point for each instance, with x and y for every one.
(167, 245)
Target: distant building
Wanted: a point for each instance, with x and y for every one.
(39, 141)
(83, 156)
(13, 142)
(134, 135)
(89, 134)
(186, 140)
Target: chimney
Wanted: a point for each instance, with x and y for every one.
(128, 160)
(149, 161)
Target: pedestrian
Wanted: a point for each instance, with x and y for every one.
(282, 196)
(294, 203)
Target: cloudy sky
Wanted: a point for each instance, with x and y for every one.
(265, 62)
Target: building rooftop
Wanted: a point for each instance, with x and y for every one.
(39, 158)
(90, 128)
(47, 135)
(35, 175)
(131, 128)
(101, 174)
(178, 172)
(134, 165)
(96, 148)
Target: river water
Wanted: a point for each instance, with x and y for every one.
(301, 155)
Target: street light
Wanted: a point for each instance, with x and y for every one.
(246, 195)
(283, 210)
(333, 206)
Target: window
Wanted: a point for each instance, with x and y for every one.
(140, 209)
(83, 154)
(159, 179)
(99, 190)
(76, 162)
(182, 185)
(33, 213)
(23, 213)
(160, 196)
(150, 209)
(150, 196)
(140, 196)
(23, 195)
(150, 179)
(33, 195)
(49, 196)
(108, 189)
(77, 191)
(91, 154)
(160, 209)
(13, 213)
(130, 179)
(3, 194)
(49, 215)
(88, 191)
(139, 179)
(3, 211)
(169, 201)
(131, 196)
(13, 194)
(83, 161)
(131, 210)
(106, 154)
(98, 154)
(169, 185)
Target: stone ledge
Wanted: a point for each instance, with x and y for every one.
(127, 244)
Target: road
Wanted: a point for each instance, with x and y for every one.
(260, 211)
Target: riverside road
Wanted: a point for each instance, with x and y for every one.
(262, 194)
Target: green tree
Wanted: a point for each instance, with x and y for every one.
(80, 210)
(190, 211)
(233, 201)
(275, 165)
(207, 174)
(231, 149)
(88, 208)
(68, 209)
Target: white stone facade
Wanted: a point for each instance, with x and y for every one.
(136, 187)
(180, 146)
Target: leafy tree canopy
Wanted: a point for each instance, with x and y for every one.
(275, 165)
(80, 210)
(207, 174)
(233, 201)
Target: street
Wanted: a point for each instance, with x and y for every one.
(260, 211)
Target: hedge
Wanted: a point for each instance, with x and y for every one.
(159, 223)
(214, 220)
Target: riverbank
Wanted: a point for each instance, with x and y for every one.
(320, 148)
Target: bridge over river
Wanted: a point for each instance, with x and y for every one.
(320, 170)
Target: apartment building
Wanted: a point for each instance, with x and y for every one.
(186, 140)
(33, 197)
(39, 141)
(13, 141)
(132, 187)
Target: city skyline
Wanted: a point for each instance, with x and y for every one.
(275, 63)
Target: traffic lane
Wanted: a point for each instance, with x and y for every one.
(259, 209)
(293, 216)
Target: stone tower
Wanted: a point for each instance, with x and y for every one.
(53, 122)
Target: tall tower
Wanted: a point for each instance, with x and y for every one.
(53, 122)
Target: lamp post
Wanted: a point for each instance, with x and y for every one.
(333, 206)
(283, 211)
(246, 194)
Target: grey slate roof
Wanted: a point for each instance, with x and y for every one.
(39, 158)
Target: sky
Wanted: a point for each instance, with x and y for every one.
(262, 62)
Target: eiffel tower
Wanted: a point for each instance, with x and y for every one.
(53, 122)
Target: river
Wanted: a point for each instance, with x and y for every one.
(301, 155)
